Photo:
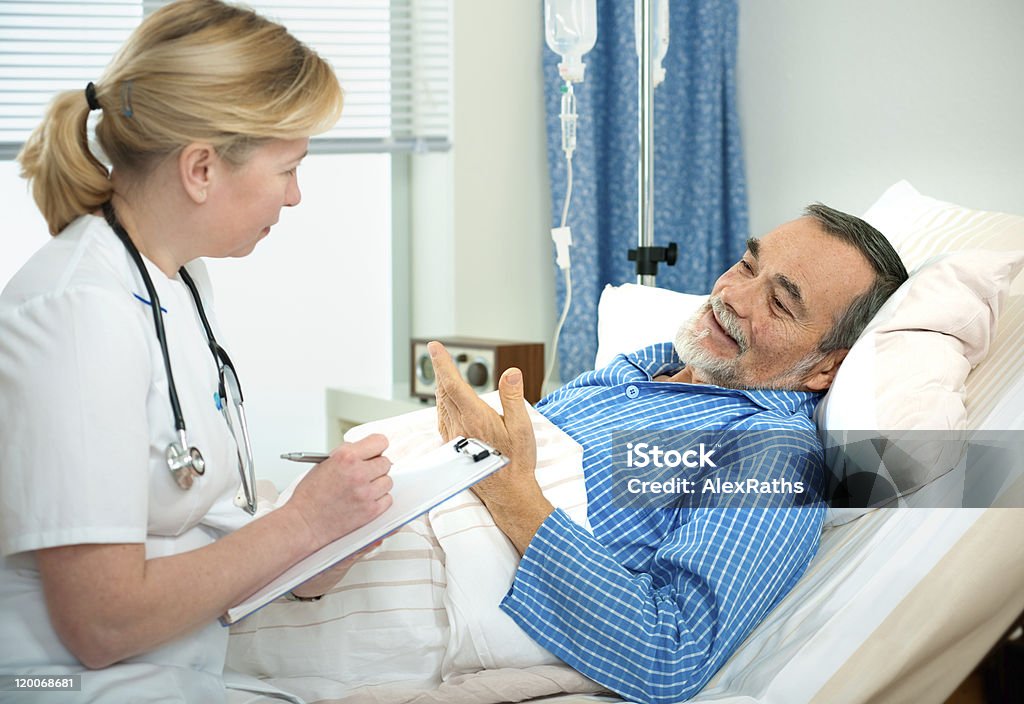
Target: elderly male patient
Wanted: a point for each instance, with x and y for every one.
(654, 601)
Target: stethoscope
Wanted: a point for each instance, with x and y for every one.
(186, 463)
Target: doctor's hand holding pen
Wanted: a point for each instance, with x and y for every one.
(344, 492)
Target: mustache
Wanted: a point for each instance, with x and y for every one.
(728, 320)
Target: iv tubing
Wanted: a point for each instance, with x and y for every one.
(568, 276)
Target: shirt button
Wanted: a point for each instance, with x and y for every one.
(632, 391)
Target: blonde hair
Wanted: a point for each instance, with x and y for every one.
(194, 70)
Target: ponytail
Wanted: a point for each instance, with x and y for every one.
(67, 179)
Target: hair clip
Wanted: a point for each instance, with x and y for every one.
(126, 99)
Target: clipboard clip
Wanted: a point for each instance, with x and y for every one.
(474, 449)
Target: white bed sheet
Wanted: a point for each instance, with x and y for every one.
(862, 572)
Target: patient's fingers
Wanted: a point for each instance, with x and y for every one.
(510, 391)
(444, 370)
(523, 442)
(444, 423)
(450, 385)
(440, 359)
(459, 410)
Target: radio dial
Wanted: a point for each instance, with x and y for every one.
(476, 374)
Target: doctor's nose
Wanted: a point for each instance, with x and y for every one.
(293, 196)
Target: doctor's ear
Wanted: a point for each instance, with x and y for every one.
(824, 372)
(197, 164)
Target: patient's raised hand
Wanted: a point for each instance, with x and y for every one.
(461, 412)
(512, 494)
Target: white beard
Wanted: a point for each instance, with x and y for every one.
(714, 370)
(727, 372)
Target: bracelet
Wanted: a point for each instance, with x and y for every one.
(292, 596)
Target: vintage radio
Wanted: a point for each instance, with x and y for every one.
(481, 363)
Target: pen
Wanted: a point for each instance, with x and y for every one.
(313, 457)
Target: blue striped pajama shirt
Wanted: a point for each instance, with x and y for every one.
(655, 601)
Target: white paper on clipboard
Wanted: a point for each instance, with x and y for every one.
(420, 484)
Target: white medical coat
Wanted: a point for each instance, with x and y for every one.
(85, 422)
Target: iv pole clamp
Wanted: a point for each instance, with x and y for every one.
(646, 255)
(648, 258)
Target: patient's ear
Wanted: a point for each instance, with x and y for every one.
(823, 374)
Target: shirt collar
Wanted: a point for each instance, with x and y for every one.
(661, 359)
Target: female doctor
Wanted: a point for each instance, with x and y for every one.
(122, 537)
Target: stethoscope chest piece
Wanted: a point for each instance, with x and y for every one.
(184, 464)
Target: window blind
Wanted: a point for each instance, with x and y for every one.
(393, 58)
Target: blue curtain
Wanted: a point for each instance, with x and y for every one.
(700, 200)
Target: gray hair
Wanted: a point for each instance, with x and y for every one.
(889, 273)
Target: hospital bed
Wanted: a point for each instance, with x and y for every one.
(899, 604)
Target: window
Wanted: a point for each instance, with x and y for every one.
(393, 60)
(392, 56)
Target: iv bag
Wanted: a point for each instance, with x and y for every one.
(659, 25)
(570, 27)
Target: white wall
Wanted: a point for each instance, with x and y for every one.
(310, 307)
(482, 246)
(24, 229)
(840, 99)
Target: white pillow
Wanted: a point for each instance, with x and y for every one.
(920, 348)
(631, 317)
(903, 382)
(921, 227)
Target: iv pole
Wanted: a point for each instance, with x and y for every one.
(646, 255)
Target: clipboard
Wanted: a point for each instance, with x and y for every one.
(420, 484)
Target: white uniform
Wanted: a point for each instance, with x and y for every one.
(85, 422)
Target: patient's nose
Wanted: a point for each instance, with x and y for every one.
(737, 297)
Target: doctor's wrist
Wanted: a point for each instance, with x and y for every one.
(299, 529)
